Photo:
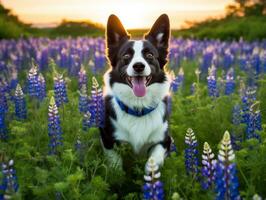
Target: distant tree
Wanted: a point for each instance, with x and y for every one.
(246, 8)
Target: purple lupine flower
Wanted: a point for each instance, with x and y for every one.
(54, 128)
(60, 90)
(83, 79)
(3, 129)
(191, 153)
(20, 104)
(42, 85)
(153, 187)
(236, 121)
(33, 84)
(253, 123)
(230, 82)
(87, 121)
(10, 181)
(3, 99)
(177, 81)
(83, 100)
(207, 170)
(212, 84)
(96, 106)
(3, 111)
(173, 146)
(226, 180)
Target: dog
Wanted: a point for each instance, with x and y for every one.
(136, 88)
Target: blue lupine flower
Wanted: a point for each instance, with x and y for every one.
(253, 123)
(236, 137)
(83, 79)
(207, 58)
(226, 180)
(10, 182)
(20, 104)
(87, 121)
(33, 83)
(230, 82)
(3, 129)
(177, 81)
(3, 111)
(191, 153)
(54, 128)
(3, 99)
(96, 107)
(42, 85)
(60, 90)
(83, 100)
(153, 187)
(207, 169)
(212, 84)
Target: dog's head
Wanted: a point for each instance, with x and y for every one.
(137, 63)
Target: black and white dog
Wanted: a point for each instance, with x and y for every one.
(136, 89)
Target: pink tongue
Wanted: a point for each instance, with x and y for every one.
(139, 87)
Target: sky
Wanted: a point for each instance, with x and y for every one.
(133, 13)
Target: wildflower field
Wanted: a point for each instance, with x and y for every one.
(51, 107)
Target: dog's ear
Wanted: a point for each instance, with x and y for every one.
(115, 36)
(159, 37)
(115, 32)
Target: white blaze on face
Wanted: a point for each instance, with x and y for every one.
(138, 58)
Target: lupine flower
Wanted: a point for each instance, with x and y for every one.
(207, 170)
(83, 100)
(10, 183)
(153, 187)
(226, 180)
(3, 99)
(33, 83)
(191, 153)
(87, 121)
(230, 82)
(83, 79)
(42, 85)
(173, 146)
(212, 84)
(96, 106)
(60, 90)
(3, 129)
(3, 111)
(236, 121)
(20, 104)
(177, 81)
(54, 127)
(253, 123)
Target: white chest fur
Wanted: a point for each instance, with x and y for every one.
(139, 131)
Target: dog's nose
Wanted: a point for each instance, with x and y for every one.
(138, 67)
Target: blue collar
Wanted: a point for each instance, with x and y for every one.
(135, 112)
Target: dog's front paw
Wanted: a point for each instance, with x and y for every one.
(114, 159)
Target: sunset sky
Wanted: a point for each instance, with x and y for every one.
(133, 13)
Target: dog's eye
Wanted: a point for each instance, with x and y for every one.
(149, 55)
(126, 56)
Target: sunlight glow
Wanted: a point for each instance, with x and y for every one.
(133, 13)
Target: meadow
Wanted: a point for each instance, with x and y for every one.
(51, 108)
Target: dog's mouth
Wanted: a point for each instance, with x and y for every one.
(139, 84)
